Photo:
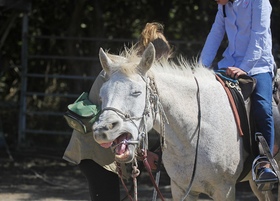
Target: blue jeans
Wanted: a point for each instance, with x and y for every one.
(262, 107)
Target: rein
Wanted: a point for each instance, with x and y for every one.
(197, 142)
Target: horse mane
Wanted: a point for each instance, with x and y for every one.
(178, 66)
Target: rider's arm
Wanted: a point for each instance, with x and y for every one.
(214, 39)
(259, 46)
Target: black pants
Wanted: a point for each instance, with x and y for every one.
(103, 184)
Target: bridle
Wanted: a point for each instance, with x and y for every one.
(127, 117)
(142, 128)
(152, 107)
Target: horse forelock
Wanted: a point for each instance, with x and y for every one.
(127, 61)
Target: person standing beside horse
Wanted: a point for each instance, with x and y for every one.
(97, 163)
(246, 24)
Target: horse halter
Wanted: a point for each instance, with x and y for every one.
(127, 117)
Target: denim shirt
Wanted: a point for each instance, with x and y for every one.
(247, 27)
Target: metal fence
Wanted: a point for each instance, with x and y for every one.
(41, 110)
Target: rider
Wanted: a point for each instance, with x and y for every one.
(249, 51)
(95, 162)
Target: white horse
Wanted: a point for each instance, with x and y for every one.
(191, 111)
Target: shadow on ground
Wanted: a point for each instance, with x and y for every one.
(28, 178)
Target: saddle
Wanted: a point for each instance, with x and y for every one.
(239, 92)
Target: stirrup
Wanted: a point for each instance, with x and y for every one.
(263, 184)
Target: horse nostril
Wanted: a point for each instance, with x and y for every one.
(104, 136)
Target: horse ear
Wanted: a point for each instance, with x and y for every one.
(147, 60)
(105, 61)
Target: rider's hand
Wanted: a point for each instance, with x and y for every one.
(152, 160)
(235, 72)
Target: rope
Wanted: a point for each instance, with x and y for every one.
(120, 113)
(134, 175)
(148, 168)
(119, 171)
(158, 109)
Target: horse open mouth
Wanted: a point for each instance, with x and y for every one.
(124, 148)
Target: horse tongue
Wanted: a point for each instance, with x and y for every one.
(106, 145)
(120, 149)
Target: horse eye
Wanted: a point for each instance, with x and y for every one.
(136, 93)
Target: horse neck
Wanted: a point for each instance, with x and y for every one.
(178, 96)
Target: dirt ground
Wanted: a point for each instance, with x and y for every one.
(28, 178)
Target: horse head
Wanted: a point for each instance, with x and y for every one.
(125, 118)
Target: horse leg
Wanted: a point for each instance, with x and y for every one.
(269, 196)
(259, 194)
(192, 197)
(225, 192)
(179, 194)
(103, 184)
(262, 196)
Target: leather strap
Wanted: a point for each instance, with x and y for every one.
(232, 104)
(149, 170)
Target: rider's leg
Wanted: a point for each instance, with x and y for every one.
(262, 107)
(103, 184)
(262, 112)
